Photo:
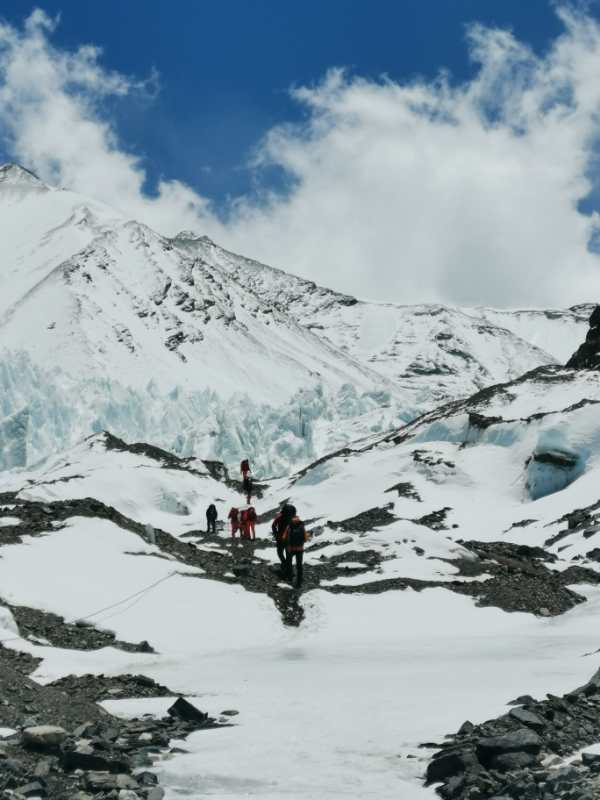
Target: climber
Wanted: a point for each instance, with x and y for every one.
(280, 523)
(251, 518)
(295, 536)
(245, 468)
(211, 519)
(244, 523)
(234, 518)
(247, 487)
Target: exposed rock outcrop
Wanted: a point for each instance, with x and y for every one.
(520, 754)
(588, 354)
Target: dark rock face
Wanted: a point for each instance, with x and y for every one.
(481, 421)
(588, 354)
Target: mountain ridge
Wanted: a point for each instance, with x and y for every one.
(92, 296)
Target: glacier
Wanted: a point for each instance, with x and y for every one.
(47, 410)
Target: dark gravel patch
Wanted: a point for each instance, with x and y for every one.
(44, 625)
(366, 520)
(111, 687)
(405, 489)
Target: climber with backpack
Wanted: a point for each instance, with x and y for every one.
(234, 519)
(211, 519)
(278, 528)
(295, 537)
(244, 468)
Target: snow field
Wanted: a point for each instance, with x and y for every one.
(350, 694)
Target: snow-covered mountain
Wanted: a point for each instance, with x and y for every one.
(453, 568)
(180, 342)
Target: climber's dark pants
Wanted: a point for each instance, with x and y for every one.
(211, 526)
(290, 568)
(281, 552)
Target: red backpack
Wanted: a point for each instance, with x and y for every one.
(244, 516)
(245, 465)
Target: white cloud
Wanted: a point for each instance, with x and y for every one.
(410, 192)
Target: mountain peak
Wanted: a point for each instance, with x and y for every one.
(188, 235)
(12, 174)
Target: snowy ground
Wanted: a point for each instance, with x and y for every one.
(338, 707)
(351, 694)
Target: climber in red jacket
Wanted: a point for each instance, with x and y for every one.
(234, 519)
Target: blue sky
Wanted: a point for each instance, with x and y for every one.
(225, 67)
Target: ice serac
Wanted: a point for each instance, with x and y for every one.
(588, 354)
(13, 440)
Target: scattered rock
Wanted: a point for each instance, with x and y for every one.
(44, 737)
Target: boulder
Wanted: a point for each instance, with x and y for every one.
(450, 762)
(521, 740)
(453, 787)
(99, 781)
(34, 789)
(184, 710)
(124, 781)
(527, 718)
(522, 700)
(44, 737)
(155, 793)
(591, 760)
(146, 778)
(505, 762)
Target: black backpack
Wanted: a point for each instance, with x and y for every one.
(296, 532)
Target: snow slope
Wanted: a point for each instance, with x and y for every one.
(394, 649)
(179, 342)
